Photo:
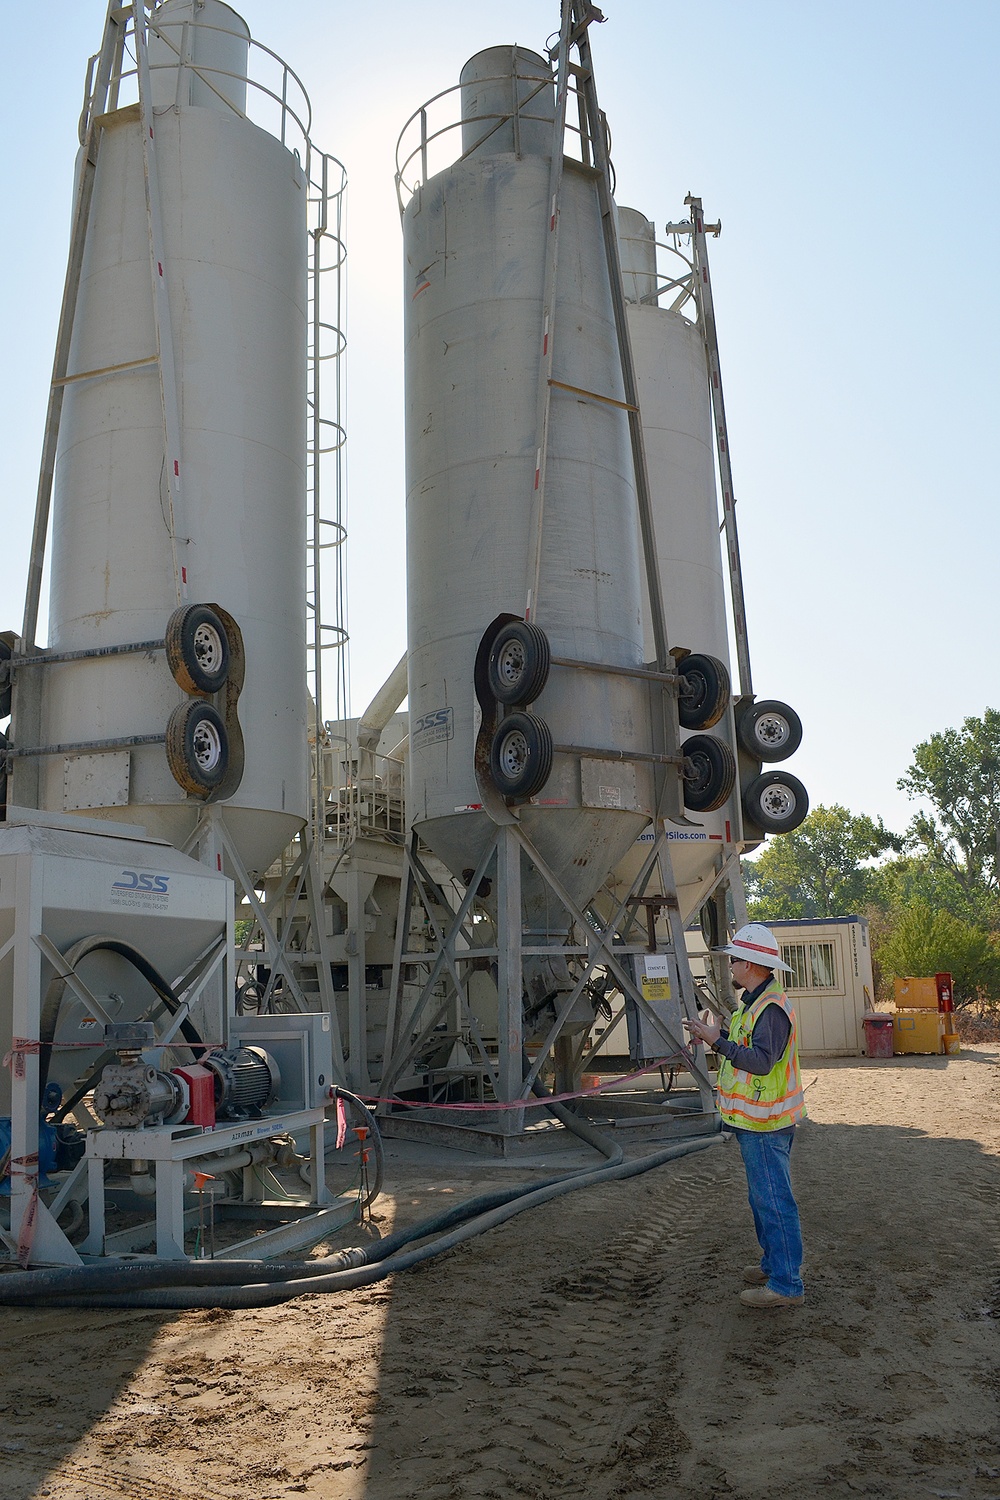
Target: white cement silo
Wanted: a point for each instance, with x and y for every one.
(675, 404)
(233, 210)
(475, 240)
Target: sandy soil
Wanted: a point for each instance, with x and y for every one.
(593, 1348)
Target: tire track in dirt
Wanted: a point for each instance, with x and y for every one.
(33, 1474)
(569, 1393)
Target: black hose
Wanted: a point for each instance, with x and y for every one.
(108, 1275)
(575, 1123)
(51, 1005)
(375, 1136)
(176, 1281)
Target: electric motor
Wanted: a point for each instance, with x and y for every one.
(247, 1079)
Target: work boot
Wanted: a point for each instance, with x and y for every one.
(754, 1276)
(762, 1296)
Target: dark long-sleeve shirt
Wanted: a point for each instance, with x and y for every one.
(768, 1039)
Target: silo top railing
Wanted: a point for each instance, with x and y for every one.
(426, 143)
(682, 284)
(287, 96)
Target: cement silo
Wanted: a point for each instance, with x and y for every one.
(140, 526)
(674, 398)
(475, 239)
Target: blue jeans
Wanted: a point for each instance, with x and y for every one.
(767, 1159)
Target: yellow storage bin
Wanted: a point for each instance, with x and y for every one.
(917, 1031)
(915, 994)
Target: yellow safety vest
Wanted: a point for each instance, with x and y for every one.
(762, 1101)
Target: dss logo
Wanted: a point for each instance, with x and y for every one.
(433, 727)
(139, 880)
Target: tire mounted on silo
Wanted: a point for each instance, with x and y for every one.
(521, 756)
(704, 691)
(197, 747)
(518, 665)
(776, 802)
(197, 649)
(709, 772)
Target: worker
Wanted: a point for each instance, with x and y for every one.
(760, 1100)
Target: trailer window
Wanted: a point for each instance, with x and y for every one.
(812, 965)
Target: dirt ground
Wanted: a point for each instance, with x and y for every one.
(589, 1349)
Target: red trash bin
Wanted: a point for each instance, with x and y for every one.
(878, 1034)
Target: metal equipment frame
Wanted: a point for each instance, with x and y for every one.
(599, 945)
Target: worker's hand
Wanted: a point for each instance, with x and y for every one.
(703, 1031)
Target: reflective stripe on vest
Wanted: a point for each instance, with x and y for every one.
(768, 1101)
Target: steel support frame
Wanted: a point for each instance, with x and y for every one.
(604, 949)
(215, 846)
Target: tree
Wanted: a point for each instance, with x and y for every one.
(958, 773)
(917, 877)
(924, 941)
(818, 870)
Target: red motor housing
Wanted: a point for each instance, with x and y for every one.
(201, 1084)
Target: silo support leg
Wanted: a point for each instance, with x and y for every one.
(464, 1012)
(510, 1023)
(694, 1057)
(407, 1045)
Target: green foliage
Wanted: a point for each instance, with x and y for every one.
(958, 773)
(926, 941)
(818, 870)
(913, 878)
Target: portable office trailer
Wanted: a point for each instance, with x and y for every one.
(831, 980)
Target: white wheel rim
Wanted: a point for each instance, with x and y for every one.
(207, 744)
(510, 663)
(513, 755)
(772, 731)
(208, 648)
(778, 801)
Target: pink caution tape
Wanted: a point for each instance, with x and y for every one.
(533, 1103)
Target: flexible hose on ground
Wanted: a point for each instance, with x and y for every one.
(185, 1284)
(577, 1124)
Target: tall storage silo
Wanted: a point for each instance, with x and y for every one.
(475, 239)
(668, 351)
(232, 200)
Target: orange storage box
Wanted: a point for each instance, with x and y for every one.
(915, 994)
(917, 1030)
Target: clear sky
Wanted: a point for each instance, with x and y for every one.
(849, 150)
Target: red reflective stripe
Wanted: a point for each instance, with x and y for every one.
(757, 947)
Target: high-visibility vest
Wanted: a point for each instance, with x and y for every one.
(762, 1101)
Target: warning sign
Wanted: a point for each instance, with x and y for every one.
(655, 977)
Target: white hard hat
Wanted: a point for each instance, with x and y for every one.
(758, 945)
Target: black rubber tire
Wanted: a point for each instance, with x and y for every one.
(769, 730)
(5, 688)
(521, 756)
(776, 802)
(704, 691)
(708, 921)
(709, 772)
(197, 747)
(518, 665)
(197, 649)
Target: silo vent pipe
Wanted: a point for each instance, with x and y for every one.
(381, 709)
